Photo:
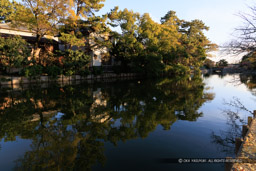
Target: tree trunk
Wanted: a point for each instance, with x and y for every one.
(37, 54)
(37, 49)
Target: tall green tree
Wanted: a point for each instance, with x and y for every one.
(83, 29)
(83, 9)
(195, 42)
(81, 16)
(126, 47)
(148, 46)
(40, 17)
(192, 45)
(170, 38)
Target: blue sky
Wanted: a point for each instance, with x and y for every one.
(219, 15)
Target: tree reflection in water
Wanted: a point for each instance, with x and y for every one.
(226, 139)
(249, 81)
(68, 126)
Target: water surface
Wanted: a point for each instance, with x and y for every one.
(125, 125)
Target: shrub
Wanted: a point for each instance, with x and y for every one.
(75, 61)
(209, 63)
(97, 70)
(14, 52)
(84, 72)
(69, 72)
(222, 63)
(33, 71)
(53, 71)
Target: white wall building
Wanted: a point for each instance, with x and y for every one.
(97, 53)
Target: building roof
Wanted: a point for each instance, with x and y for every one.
(31, 39)
(7, 30)
(8, 26)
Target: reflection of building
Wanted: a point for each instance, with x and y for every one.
(45, 114)
(97, 110)
(10, 102)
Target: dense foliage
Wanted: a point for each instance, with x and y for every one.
(146, 46)
(248, 62)
(208, 63)
(14, 52)
(222, 63)
(173, 46)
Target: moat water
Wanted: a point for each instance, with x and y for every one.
(125, 125)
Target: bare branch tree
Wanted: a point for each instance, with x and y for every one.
(236, 102)
(225, 139)
(245, 35)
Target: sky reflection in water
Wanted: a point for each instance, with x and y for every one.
(123, 125)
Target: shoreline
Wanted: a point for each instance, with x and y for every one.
(17, 83)
(228, 71)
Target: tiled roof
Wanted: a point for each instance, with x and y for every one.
(8, 26)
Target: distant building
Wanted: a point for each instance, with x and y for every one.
(98, 54)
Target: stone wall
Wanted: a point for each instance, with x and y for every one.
(246, 147)
(7, 81)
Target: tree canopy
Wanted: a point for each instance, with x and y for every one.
(172, 45)
(222, 63)
(148, 46)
